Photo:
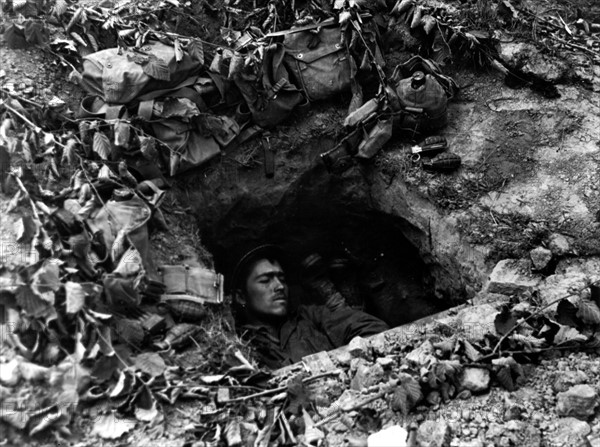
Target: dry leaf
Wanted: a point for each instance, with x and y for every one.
(69, 151)
(25, 229)
(35, 33)
(178, 50)
(105, 172)
(12, 413)
(7, 124)
(150, 363)
(429, 23)
(402, 6)
(105, 340)
(45, 281)
(75, 19)
(93, 41)
(148, 148)
(588, 311)
(102, 145)
(32, 372)
(145, 405)
(14, 36)
(122, 131)
(157, 68)
(59, 8)
(75, 297)
(124, 385)
(196, 50)
(416, 18)
(112, 426)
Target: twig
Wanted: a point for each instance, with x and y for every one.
(574, 45)
(252, 396)
(36, 128)
(537, 351)
(278, 390)
(20, 98)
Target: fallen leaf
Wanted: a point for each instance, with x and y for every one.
(25, 229)
(470, 351)
(14, 414)
(505, 321)
(33, 372)
(69, 152)
(47, 417)
(14, 35)
(178, 50)
(59, 8)
(157, 68)
(75, 297)
(45, 281)
(122, 130)
(101, 145)
(400, 400)
(112, 426)
(504, 376)
(32, 304)
(588, 311)
(148, 148)
(179, 107)
(568, 334)
(150, 363)
(77, 16)
(105, 367)
(145, 405)
(124, 385)
(35, 33)
(566, 313)
(196, 50)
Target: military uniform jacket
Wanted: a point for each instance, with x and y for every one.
(310, 330)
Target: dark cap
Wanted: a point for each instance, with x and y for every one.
(266, 251)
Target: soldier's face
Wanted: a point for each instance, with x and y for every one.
(266, 290)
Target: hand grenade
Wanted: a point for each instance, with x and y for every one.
(178, 336)
(445, 162)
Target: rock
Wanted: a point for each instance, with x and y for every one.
(511, 276)
(476, 380)
(385, 362)
(514, 433)
(578, 401)
(379, 344)
(567, 379)
(359, 347)
(594, 439)
(570, 431)
(434, 434)
(2, 74)
(540, 257)
(366, 375)
(561, 285)
(559, 244)
(474, 321)
(530, 60)
(472, 443)
(341, 356)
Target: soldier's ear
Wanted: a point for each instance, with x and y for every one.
(240, 298)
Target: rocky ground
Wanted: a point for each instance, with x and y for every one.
(528, 191)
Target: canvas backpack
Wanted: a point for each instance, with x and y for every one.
(123, 82)
(318, 61)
